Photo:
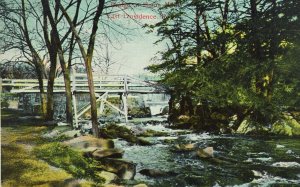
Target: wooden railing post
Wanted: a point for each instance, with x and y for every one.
(0, 100)
(124, 98)
(74, 97)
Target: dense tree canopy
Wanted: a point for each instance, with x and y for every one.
(231, 53)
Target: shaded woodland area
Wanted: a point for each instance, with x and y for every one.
(230, 59)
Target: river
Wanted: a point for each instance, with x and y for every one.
(241, 160)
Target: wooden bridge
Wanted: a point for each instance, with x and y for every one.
(102, 84)
(122, 85)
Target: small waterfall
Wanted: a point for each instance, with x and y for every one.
(156, 102)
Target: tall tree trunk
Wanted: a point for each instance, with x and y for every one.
(198, 39)
(87, 56)
(182, 109)
(171, 102)
(224, 26)
(52, 49)
(92, 97)
(37, 61)
(256, 48)
(273, 51)
(40, 77)
(190, 106)
(67, 80)
(50, 93)
(66, 73)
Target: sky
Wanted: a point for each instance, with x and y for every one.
(133, 54)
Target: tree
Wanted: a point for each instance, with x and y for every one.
(15, 35)
(197, 35)
(87, 57)
(228, 53)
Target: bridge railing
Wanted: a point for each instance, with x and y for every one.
(107, 83)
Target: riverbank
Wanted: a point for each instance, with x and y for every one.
(35, 154)
(143, 154)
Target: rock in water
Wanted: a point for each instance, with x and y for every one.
(111, 153)
(89, 143)
(155, 173)
(206, 153)
(123, 168)
(286, 126)
(184, 147)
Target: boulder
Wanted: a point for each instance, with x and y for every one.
(123, 168)
(156, 173)
(59, 131)
(52, 134)
(184, 147)
(107, 176)
(112, 153)
(281, 128)
(249, 126)
(140, 185)
(246, 127)
(89, 143)
(183, 118)
(286, 126)
(72, 133)
(151, 133)
(75, 182)
(117, 131)
(207, 152)
(61, 124)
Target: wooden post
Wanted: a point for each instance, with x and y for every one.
(102, 104)
(124, 98)
(74, 97)
(0, 100)
(125, 107)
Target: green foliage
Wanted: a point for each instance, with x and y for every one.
(70, 160)
(245, 55)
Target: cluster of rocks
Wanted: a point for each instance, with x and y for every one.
(108, 159)
(287, 126)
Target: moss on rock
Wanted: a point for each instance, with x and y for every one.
(286, 126)
(115, 131)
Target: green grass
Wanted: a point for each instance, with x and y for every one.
(28, 159)
(72, 161)
(20, 167)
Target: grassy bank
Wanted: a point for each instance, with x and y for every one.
(28, 159)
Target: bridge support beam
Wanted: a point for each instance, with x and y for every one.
(74, 98)
(102, 103)
(125, 106)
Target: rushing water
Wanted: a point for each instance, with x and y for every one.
(241, 160)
